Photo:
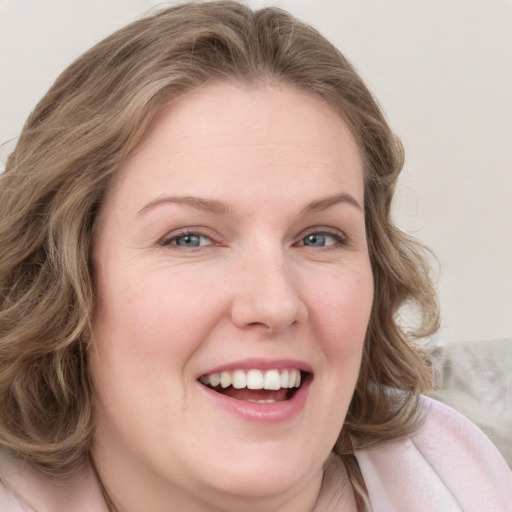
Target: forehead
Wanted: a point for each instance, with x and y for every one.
(257, 136)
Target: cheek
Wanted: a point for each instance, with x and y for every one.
(340, 316)
(158, 318)
(137, 355)
(343, 309)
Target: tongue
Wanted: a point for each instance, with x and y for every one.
(255, 394)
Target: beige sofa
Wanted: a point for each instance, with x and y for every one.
(475, 378)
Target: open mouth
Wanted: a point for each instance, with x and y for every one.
(257, 386)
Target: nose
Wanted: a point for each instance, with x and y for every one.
(268, 295)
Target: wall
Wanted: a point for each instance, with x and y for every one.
(442, 70)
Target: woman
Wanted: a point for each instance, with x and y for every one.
(200, 286)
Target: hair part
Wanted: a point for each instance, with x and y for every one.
(79, 135)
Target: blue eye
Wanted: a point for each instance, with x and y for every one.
(322, 239)
(188, 240)
(315, 240)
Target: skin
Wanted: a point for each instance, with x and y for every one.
(256, 287)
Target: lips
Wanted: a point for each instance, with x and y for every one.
(255, 385)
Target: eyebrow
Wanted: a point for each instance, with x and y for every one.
(199, 203)
(326, 202)
(219, 207)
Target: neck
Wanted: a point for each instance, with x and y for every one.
(146, 494)
(331, 492)
(337, 494)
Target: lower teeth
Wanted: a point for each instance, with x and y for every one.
(262, 401)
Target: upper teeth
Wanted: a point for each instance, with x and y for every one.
(254, 379)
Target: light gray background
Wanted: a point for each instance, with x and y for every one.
(442, 69)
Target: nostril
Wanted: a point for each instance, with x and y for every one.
(258, 324)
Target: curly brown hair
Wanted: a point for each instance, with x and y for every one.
(80, 133)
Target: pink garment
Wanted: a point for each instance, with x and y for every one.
(447, 466)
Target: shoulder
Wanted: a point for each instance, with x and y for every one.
(448, 464)
(25, 489)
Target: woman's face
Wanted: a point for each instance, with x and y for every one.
(231, 247)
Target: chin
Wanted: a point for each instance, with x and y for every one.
(266, 470)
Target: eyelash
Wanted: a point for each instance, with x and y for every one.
(168, 242)
(339, 237)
